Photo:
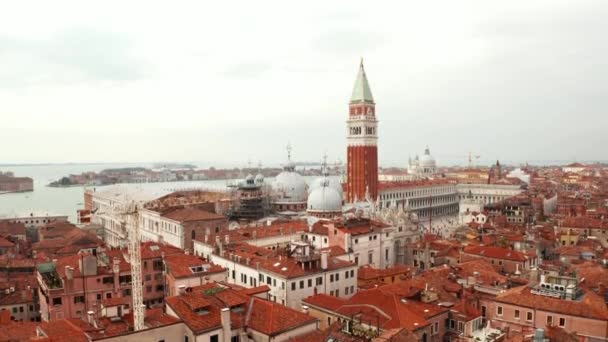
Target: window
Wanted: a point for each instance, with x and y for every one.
(235, 339)
(99, 296)
(529, 316)
(149, 288)
(108, 280)
(337, 276)
(436, 327)
(268, 280)
(356, 260)
(460, 326)
(499, 311)
(331, 278)
(293, 286)
(516, 314)
(319, 280)
(346, 290)
(57, 301)
(346, 275)
(370, 258)
(301, 284)
(185, 338)
(337, 293)
(214, 338)
(148, 277)
(160, 288)
(193, 235)
(233, 274)
(309, 282)
(549, 320)
(352, 273)
(562, 322)
(386, 254)
(78, 299)
(15, 310)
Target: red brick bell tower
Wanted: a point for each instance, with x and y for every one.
(362, 138)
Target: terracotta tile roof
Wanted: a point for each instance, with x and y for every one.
(584, 222)
(590, 305)
(17, 297)
(11, 229)
(263, 316)
(4, 243)
(180, 266)
(116, 301)
(496, 253)
(282, 265)
(16, 331)
(273, 319)
(368, 272)
(62, 331)
(381, 306)
(325, 301)
(155, 250)
(277, 228)
(191, 214)
(485, 272)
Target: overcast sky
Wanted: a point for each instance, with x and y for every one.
(227, 82)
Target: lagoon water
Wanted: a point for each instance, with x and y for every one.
(65, 201)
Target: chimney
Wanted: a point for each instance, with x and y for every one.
(324, 256)
(181, 289)
(116, 265)
(226, 329)
(91, 318)
(69, 272)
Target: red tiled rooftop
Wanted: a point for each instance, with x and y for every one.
(191, 214)
(180, 266)
(496, 253)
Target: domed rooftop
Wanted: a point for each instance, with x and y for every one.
(289, 185)
(334, 182)
(324, 199)
(427, 160)
(259, 178)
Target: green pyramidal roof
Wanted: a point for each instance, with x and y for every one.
(361, 92)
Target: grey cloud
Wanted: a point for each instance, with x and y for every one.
(71, 56)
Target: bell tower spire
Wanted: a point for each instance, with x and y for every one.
(362, 175)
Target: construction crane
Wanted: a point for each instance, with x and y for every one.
(472, 158)
(130, 222)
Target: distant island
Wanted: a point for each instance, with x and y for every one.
(9, 183)
(177, 173)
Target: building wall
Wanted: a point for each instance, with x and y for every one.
(441, 199)
(362, 172)
(582, 326)
(487, 193)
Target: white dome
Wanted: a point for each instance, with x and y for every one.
(259, 178)
(324, 199)
(291, 186)
(334, 182)
(427, 160)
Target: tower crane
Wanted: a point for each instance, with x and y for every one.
(128, 215)
(472, 158)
